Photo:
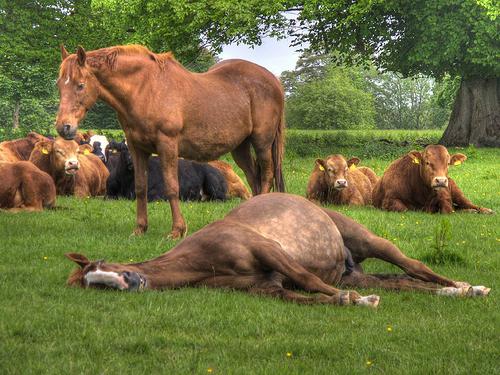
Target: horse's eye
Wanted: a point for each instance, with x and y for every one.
(81, 86)
(330, 169)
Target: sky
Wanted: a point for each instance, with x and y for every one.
(275, 55)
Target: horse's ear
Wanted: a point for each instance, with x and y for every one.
(64, 53)
(79, 259)
(80, 53)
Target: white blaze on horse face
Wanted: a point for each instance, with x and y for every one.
(67, 81)
(111, 279)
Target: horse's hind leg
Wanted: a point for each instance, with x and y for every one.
(242, 155)
(271, 256)
(358, 279)
(265, 161)
(364, 244)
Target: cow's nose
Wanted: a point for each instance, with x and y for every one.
(341, 183)
(440, 181)
(73, 163)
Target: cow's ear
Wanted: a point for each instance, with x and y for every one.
(85, 149)
(79, 259)
(321, 164)
(45, 147)
(82, 55)
(352, 162)
(457, 159)
(415, 156)
(64, 53)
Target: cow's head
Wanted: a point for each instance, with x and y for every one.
(336, 169)
(126, 158)
(63, 154)
(433, 164)
(78, 91)
(99, 274)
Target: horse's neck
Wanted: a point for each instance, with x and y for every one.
(119, 86)
(170, 270)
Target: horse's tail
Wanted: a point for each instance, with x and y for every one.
(278, 149)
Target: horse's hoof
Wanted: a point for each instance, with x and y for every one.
(370, 301)
(487, 211)
(138, 231)
(176, 234)
(479, 291)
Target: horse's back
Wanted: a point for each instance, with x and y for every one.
(248, 73)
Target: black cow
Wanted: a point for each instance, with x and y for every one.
(197, 181)
(112, 153)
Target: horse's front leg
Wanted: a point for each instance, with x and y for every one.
(140, 160)
(168, 153)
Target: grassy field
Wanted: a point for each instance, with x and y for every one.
(47, 327)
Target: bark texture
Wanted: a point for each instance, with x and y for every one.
(475, 119)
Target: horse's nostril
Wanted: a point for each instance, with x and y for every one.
(66, 128)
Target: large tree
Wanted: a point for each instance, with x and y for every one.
(431, 37)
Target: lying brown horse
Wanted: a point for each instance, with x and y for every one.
(167, 110)
(268, 245)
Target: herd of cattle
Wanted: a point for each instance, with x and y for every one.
(35, 169)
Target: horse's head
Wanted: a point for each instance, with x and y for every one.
(99, 274)
(78, 91)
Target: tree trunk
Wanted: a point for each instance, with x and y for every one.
(15, 117)
(475, 119)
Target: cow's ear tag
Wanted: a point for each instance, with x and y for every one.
(352, 167)
(45, 151)
(458, 162)
(415, 161)
(321, 168)
(86, 151)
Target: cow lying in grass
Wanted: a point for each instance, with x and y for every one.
(269, 245)
(419, 181)
(24, 187)
(19, 149)
(235, 186)
(335, 180)
(73, 168)
(197, 181)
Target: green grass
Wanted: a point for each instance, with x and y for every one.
(47, 327)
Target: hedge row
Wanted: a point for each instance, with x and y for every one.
(319, 143)
(363, 143)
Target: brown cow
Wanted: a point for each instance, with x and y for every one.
(270, 245)
(419, 181)
(19, 149)
(368, 172)
(24, 187)
(235, 186)
(335, 180)
(74, 169)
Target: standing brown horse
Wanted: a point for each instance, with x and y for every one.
(165, 109)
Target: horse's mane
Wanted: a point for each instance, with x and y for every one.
(106, 57)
